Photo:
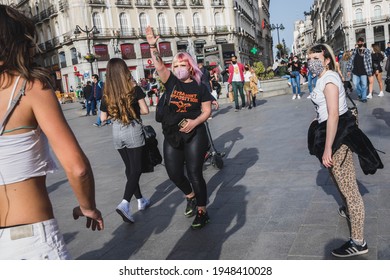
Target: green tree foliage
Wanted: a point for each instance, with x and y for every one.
(262, 72)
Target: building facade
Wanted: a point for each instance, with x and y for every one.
(78, 37)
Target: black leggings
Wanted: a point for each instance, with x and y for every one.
(192, 154)
(132, 157)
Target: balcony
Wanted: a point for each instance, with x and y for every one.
(357, 2)
(97, 3)
(52, 10)
(123, 3)
(143, 3)
(217, 3)
(360, 21)
(161, 4)
(182, 31)
(221, 29)
(165, 31)
(179, 4)
(199, 30)
(196, 3)
(128, 32)
(49, 45)
(44, 15)
(63, 5)
(377, 19)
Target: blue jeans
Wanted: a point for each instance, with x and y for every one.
(296, 83)
(311, 82)
(98, 120)
(287, 77)
(360, 83)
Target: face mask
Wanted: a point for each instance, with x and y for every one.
(182, 73)
(360, 45)
(295, 60)
(234, 62)
(246, 68)
(315, 66)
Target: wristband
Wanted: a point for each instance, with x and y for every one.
(153, 46)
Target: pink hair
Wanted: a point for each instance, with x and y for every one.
(196, 74)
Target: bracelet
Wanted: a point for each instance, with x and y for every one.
(153, 46)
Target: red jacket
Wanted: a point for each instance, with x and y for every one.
(231, 72)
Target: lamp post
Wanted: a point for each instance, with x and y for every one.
(277, 27)
(87, 31)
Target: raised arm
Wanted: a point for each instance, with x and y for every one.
(161, 69)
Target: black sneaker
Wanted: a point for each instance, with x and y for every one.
(350, 249)
(201, 219)
(343, 212)
(191, 207)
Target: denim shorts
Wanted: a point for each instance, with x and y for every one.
(129, 136)
(39, 241)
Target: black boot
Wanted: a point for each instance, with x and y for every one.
(254, 101)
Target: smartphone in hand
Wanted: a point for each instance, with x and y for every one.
(182, 123)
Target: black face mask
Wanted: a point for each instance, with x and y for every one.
(246, 68)
(234, 62)
(360, 45)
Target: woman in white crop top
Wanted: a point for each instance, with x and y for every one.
(28, 229)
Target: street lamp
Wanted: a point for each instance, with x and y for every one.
(277, 27)
(94, 31)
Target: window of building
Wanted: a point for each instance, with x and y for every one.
(127, 51)
(62, 58)
(197, 23)
(360, 33)
(162, 24)
(101, 51)
(124, 24)
(165, 49)
(143, 22)
(359, 15)
(377, 12)
(218, 19)
(180, 23)
(96, 19)
(145, 50)
(73, 55)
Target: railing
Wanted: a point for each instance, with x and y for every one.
(128, 32)
(49, 45)
(44, 15)
(161, 3)
(199, 30)
(97, 2)
(142, 3)
(379, 18)
(165, 31)
(179, 3)
(62, 5)
(359, 21)
(357, 2)
(221, 29)
(217, 3)
(52, 10)
(67, 37)
(196, 3)
(182, 31)
(123, 2)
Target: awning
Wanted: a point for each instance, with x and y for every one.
(220, 41)
(199, 42)
(182, 43)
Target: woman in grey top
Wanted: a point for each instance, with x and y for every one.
(342, 69)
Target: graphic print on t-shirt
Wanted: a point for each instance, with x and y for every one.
(183, 100)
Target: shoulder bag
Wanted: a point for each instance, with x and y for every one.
(151, 155)
(161, 104)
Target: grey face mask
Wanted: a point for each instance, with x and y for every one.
(315, 66)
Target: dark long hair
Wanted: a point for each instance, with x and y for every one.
(17, 42)
(119, 91)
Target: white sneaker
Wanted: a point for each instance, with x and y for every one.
(299, 96)
(294, 96)
(309, 96)
(381, 94)
(123, 209)
(261, 90)
(369, 96)
(143, 203)
(289, 84)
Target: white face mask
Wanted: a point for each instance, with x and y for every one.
(182, 73)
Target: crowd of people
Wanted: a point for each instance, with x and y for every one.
(184, 107)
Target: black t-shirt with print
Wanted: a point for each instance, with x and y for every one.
(139, 94)
(186, 98)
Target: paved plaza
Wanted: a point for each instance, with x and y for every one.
(271, 201)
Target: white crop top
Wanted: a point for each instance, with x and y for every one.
(318, 96)
(24, 155)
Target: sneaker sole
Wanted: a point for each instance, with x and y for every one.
(189, 214)
(125, 219)
(351, 255)
(199, 226)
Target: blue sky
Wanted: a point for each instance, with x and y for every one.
(286, 12)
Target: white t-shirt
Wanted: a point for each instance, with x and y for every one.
(318, 96)
(236, 74)
(247, 76)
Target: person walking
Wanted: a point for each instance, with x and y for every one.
(332, 137)
(97, 93)
(377, 58)
(311, 81)
(253, 86)
(187, 107)
(343, 71)
(124, 103)
(360, 67)
(236, 79)
(247, 85)
(295, 75)
(87, 92)
(28, 228)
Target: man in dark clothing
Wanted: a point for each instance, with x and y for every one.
(360, 66)
(87, 91)
(206, 79)
(96, 97)
(387, 50)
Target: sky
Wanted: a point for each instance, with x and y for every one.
(286, 12)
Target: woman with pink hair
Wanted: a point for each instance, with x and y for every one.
(186, 105)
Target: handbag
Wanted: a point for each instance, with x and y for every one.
(151, 155)
(161, 105)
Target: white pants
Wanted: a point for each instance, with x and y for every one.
(39, 241)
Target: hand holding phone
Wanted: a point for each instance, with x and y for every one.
(182, 123)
